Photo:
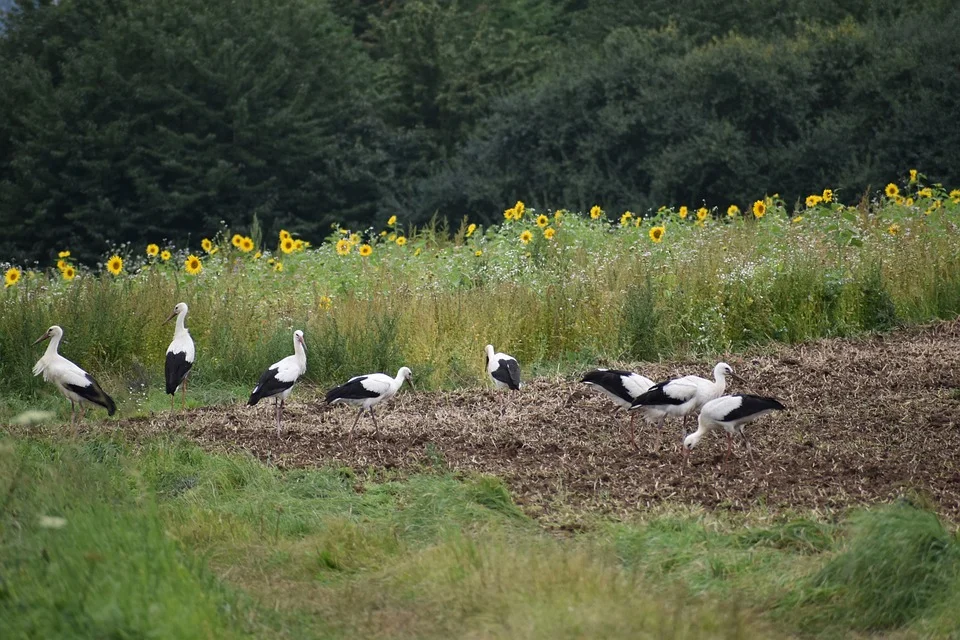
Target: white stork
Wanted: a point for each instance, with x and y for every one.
(180, 356)
(368, 391)
(76, 384)
(623, 387)
(504, 370)
(730, 413)
(682, 396)
(277, 381)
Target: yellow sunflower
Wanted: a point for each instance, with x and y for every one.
(391, 221)
(626, 218)
(471, 229)
(11, 277)
(401, 241)
(62, 264)
(206, 245)
(325, 302)
(893, 229)
(193, 265)
(909, 202)
(549, 232)
(115, 265)
(63, 254)
(246, 244)
(892, 190)
(284, 235)
(519, 209)
(733, 210)
(913, 175)
(542, 221)
(165, 255)
(478, 253)
(702, 214)
(813, 200)
(509, 214)
(257, 255)
(288, 245)
(416, 252)
(955, 196)
(526, 237)
(559, 214)
(595, 212)
(827, 195)
(365, 250)
(926, 192)
(69, 273)
(153, 250)
(759, 209)
(683, 212)
(299, 245)
(236, 240)
(656, 233)
(798, 219)
(343, 246)
(278, 266)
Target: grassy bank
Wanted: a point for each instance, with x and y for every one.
(106, 538)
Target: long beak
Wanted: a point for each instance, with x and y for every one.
(303, 344)
(410, 380)
(171, 317)
(41, 338)
(737, 378)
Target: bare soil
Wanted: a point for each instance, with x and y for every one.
(868, 420)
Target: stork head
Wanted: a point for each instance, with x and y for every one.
(489, 350)
(723, 369)
(406, 374)
(298, 338)
(178, 309)
(52, 332)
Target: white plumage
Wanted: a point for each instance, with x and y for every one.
(277, 381)
(74, 383)
(367, 391)
(180, 356)
(622, 387)
(730, 413)
(504, 370)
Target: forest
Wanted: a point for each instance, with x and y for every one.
(123, 120)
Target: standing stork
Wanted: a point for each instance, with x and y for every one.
(180, 356)
(76, 384)
(277, 381)
(730, 413)
(623, 387)
(682, 396)
(504, 370)
(367, 392)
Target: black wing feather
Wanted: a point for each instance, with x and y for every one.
(351, 390)
(611, 380)
(93, 393)
(176, 369)
(508, 373)
(752, 405)
(656, 395)
(268, 386)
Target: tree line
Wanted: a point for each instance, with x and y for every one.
(125, 121)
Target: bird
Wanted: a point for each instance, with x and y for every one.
(504, 370)
(180, 355)
(730, 413)
(682, 396)
(277, 381)
(76, 384)
(367, 391)
(622, 387)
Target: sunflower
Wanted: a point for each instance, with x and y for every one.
(69, 273)
(63, 254)
(288, 245)
(257, 255)
(246, 244)
(638, 222)
(519, 209)
(702, 214)
(11, 277)
(626, 218)
(733, 210)
(392, 220)
(236, 240)
(343, 231)
(193, 265)
(526, 237)
(549, 232)
(955, 196)
(343, 246)
(365, 250)
(926, 192)
(62, 264)
(558, 215)
(656, 233)
(908, 202)
(759, 209)
(813, 200)
(325, 302)
(827, 195)
(206, 245)
(892, 190)
(509, 214)
(683, 212)
(278, 266)
(478, 253)
(152, 250)
(115, 265)
(284, 235)
(542, 221)
(471, 229)
(401, 240)
(299, 245)
(893, 229)
(354, 238)
(913, 175)
(165, 255)
(797, 219)
(595, 212)
(416, 252)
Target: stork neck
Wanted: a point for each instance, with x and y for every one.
(720, 382)
(181, 329)
(300, 353)
(53, 346)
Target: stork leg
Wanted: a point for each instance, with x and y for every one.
(173, 402)
(184, 394)
(279, 414)
(633, 433)
(359, 413)
(663, 418)
(683, 428)
(747, 442)
(73, 417)
(729, 449)
(376, 427)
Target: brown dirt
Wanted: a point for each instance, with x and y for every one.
(868, 420)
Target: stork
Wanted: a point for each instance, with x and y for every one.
(76, 384)
(180, 356)
(623, 387)
(730, 413)
(504, 370)
(277, 381)
(368, 391)
(682, 396)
